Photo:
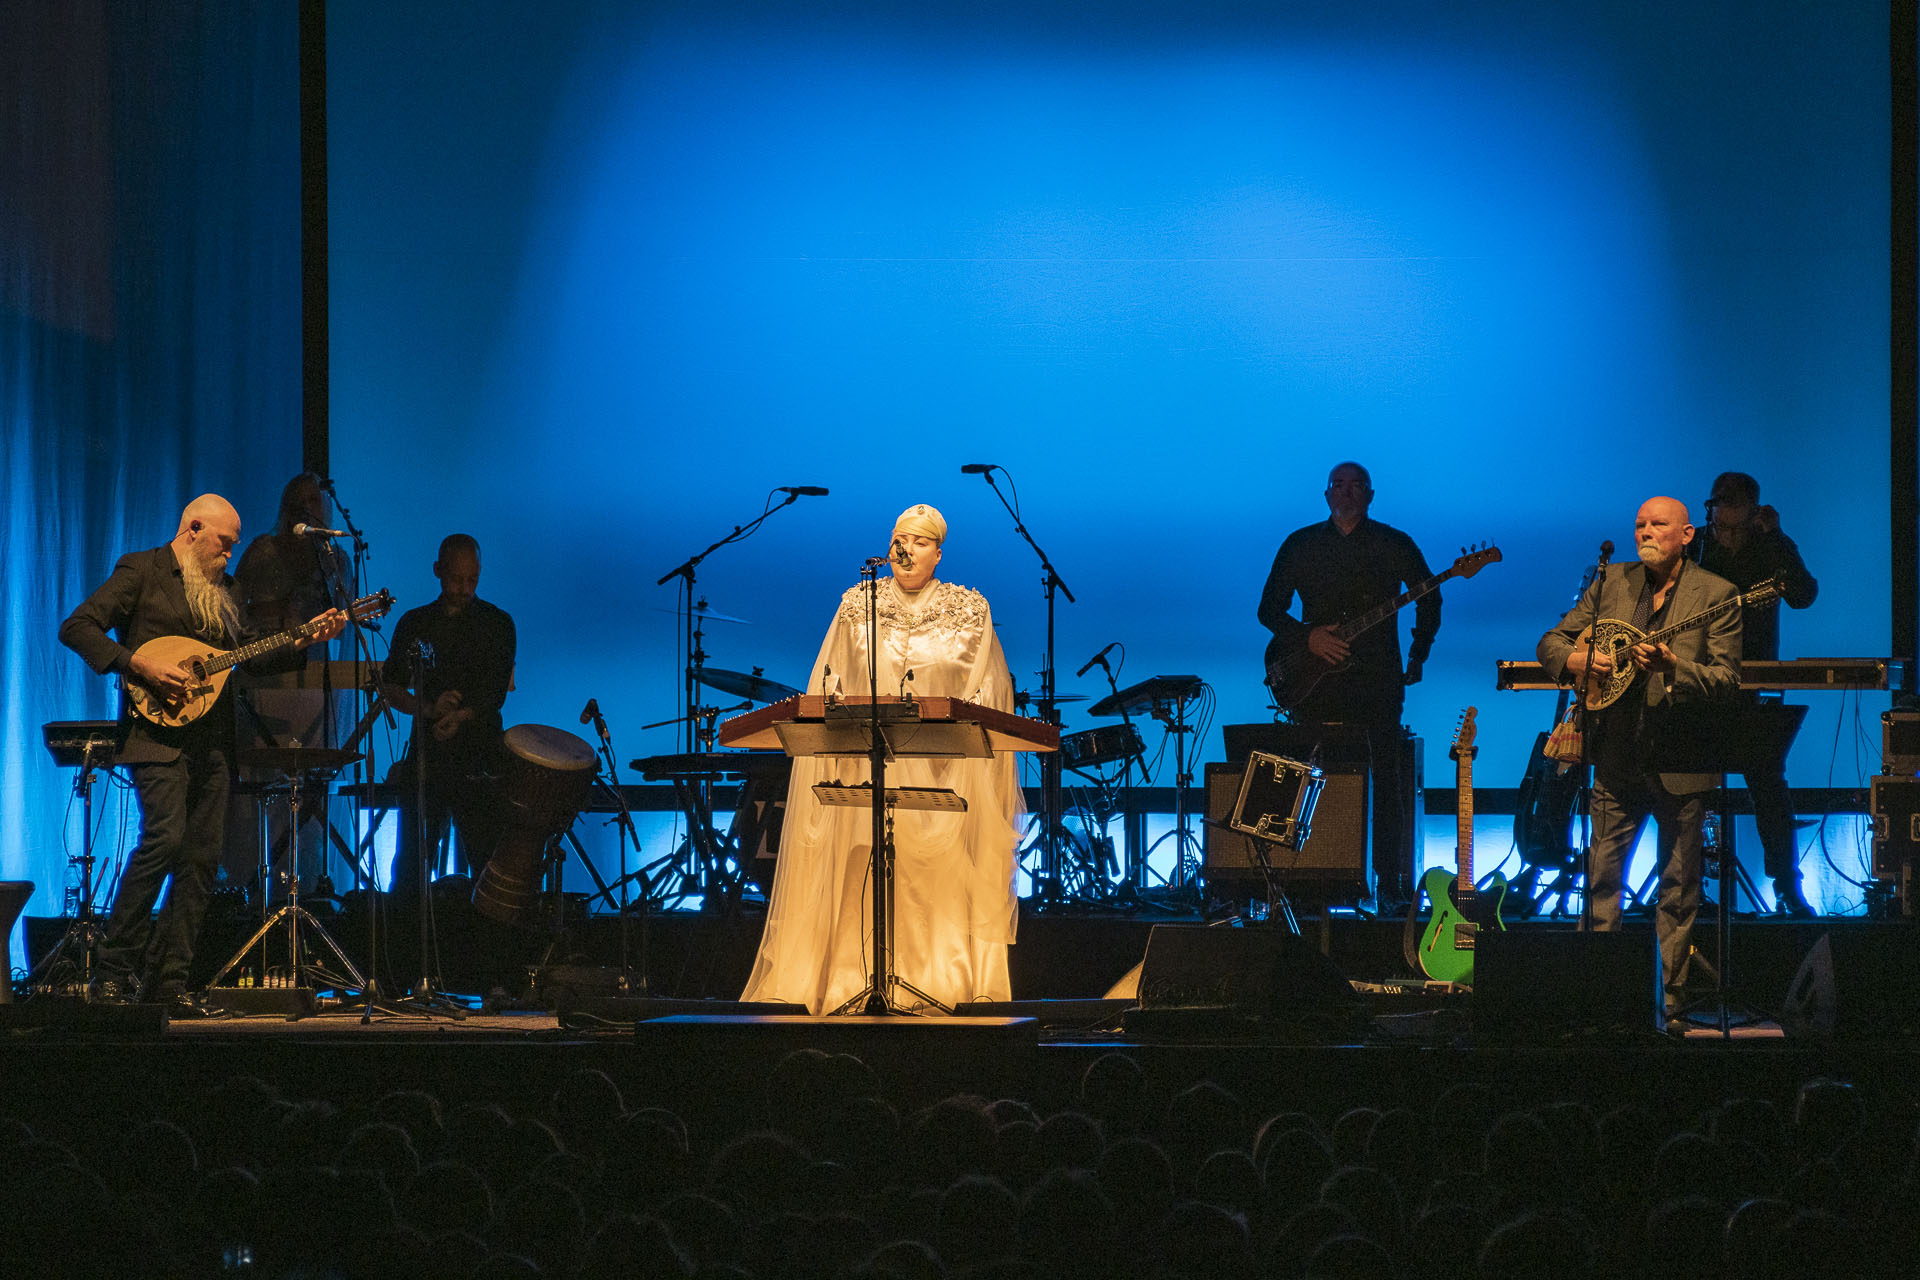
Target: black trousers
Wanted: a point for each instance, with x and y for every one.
(183, 817)
(1622, 803)
(458, 793)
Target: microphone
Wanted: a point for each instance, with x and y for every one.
(978, 468)
(1606, 551)
(591, 711)
(804, 490)
(315, 531)
(1100, 658)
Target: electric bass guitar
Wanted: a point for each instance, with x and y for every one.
(1459, 910)
(1612, 638)
(208, 668)
(1295, 671)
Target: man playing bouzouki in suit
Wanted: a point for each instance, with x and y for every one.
(1340, 567)
(181, 774)
(1701, 665)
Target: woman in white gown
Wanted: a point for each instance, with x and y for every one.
(954, 908)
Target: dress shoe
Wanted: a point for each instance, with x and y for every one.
(1678, 1028)
(113, 991)
(1788, 900)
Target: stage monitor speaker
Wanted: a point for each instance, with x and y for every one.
(13, 900)
(1536, 984)
(1331, 866)
(1255, 972)
(1859, 983)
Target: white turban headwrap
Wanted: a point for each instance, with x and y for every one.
(923, 520)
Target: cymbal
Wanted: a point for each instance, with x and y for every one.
(297, 759)
(707, 613)
(755, 686)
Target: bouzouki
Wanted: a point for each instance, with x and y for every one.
(1459, 910)
(1612, 638)
(1295, 671)
(208, 668)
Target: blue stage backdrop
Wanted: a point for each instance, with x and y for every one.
(605, 276)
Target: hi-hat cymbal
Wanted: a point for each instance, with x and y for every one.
(1021, 698)
(706, 613)
(756, 686)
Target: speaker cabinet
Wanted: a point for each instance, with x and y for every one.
(1539, 985)
(1331, 866)
(1255, 973)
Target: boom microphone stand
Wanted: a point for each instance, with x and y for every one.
(1050, 800)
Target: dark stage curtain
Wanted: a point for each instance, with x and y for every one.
(149, 338)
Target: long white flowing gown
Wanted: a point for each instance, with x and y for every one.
(954, 906)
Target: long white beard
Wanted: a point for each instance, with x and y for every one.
(210, 603)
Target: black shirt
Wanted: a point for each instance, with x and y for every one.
(471, 651)
(1761, 556)
(1337, 575)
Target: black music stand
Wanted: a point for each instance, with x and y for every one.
(1740, 737)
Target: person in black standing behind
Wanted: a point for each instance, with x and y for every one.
(1743, 543)
(1343, 566)
(283, 578)
(450, 667)
(182, 775)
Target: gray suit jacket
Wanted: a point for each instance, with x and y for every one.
(1709, 655)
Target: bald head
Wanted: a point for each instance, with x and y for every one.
(209, 528)
(207, 508)
(1661, 533)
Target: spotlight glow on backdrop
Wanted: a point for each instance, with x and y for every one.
(603, 278)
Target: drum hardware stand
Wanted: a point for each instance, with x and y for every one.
(307, 974)
(86, 745)
(1133, 825)
(1172, 712)
(1048, 892)
(697, 866)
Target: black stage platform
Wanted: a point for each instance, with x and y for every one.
(1406, 1044)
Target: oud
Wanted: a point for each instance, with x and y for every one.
(208, 669)
(1612, 638)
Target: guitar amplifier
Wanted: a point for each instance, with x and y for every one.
(1331, 866)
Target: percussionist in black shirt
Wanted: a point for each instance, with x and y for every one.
(1743, 543)
(450, 667)
(1343, 566)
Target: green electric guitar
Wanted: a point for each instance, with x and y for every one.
(1459, 911)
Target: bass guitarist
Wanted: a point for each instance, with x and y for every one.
(1340, 567)
(181, 774)
(1701, 665)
